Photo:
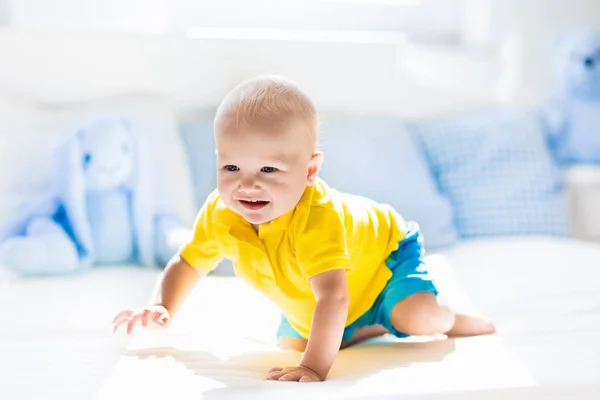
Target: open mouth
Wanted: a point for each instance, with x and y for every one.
(254, 204)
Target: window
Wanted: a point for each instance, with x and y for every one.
(437, 20)
(425, 20)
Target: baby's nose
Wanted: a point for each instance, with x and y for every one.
(249, 185)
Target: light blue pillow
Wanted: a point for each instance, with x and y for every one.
(199, 143)
(375, 157)
(495, 167)
(368, 156)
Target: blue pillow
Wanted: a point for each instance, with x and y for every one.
(375, 157)
(199, 143)
(495, 167)
(368, 156)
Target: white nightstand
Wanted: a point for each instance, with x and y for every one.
(583, 197)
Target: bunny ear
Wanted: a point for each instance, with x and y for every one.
(562, 47)
(142, 202)
(70, 181)
(127, 124)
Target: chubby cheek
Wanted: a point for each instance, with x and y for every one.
(226, 187)
(288, 191)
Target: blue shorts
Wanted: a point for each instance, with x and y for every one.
(409, 276)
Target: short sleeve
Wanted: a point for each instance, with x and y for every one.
(203, 251)
(321, 244)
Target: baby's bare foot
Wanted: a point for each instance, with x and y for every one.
(466, 325)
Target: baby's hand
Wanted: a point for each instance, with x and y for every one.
(293, 374)
(157, 314)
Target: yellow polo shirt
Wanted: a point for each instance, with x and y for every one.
(326, 230)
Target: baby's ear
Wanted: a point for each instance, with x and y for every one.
(314, 166)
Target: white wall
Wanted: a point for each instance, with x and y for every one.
(370, 78)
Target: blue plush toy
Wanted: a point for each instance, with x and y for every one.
(574, 117)
(102, 212)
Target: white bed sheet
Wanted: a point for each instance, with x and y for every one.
(543, 293)
(55, 335)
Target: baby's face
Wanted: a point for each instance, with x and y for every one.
(263, 172)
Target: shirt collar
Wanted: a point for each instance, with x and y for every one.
(283, 221)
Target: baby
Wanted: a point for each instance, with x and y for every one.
(341, 268)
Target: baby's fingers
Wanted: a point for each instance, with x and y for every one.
(146, 316)
(275, 375)
(290, 376)
(122, 314)
(134, 320)
(117, 324)
(163, 319)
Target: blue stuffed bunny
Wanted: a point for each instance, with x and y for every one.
(102, 212)
(574, 116)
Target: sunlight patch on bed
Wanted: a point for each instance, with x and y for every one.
(157, 377)
(222, 345)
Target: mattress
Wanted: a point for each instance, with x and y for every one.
(55, 334)
(543, 293)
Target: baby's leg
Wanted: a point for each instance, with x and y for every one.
(360, 334)
(292, 343)
(364, 333)
(421, 314)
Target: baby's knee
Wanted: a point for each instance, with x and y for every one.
(420, 314)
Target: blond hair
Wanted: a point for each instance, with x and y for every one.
(267, 100)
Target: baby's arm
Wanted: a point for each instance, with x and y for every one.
(329, 319)
(196, 258)
(178, 280)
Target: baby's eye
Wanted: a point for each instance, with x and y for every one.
(231, 168)
(269, 170)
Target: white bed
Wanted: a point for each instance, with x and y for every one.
(543, 293)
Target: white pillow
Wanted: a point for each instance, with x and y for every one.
(39, 130)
